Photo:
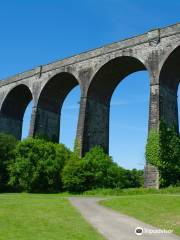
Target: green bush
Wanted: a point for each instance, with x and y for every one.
(116, 177)
(134, 178)
(7, 146)
(73, 176)
(96, 170)
(96, 166)
(86, 173)
(37, 165)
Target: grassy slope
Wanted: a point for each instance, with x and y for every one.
(162, 211)
(41, 217)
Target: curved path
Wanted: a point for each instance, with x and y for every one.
(114, 225)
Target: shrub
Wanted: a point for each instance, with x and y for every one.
(134, 178)
(37, 165)
(73, 176)
(86, 173)
(95, 166)
(116, 177)
(95, 170)
(7, 146)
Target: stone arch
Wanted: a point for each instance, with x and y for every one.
(49, 104)
(99, 94)
(13, 108)
(169, 78)
(169, 50)
(111, 73)
(169, 73)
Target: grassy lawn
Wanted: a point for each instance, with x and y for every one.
(162, 211)
(42, 217)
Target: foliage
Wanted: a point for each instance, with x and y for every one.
(37, 165)
(96, 166)
(7, 146)
(77, 147)
(87, 173)
(96, 170)
(163, 151)
(73, 176)
(153, 148)
(169, 166)
(134, 178)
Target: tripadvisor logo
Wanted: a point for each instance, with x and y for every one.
(139, 231)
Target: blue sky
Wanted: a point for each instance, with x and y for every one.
(37, 32)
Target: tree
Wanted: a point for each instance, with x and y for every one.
(7, 146)
(38, 165)
(73, 176)
(134, 178)
(95, 170)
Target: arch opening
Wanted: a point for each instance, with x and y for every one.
(27, 120)
(99, 97)
(50, 103)
(169, 79)
(110, 75)
(69, 117)
(128, 128)
(13, 109)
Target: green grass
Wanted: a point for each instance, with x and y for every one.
(42, 217)
(131, 191)
(162, 211)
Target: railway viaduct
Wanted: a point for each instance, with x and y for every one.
(97, 72)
